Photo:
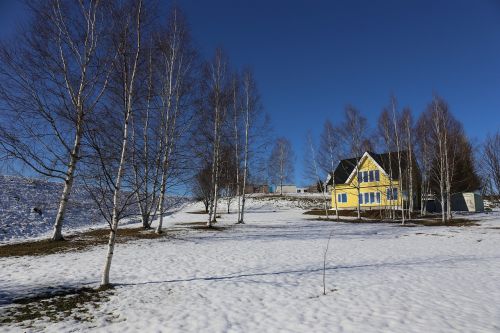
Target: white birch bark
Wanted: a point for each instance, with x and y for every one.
(128, 95)
(400, 175)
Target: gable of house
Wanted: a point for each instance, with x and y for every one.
(386, 162)
(376, 186)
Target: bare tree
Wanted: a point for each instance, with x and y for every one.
(216, 92)
(328, 155)
(398, 141)
(128, 18)
(177, 63)
(236, 111)
(146, 141)
(52, 79)
(312, 169)
(202, 187)
(385, 130)
(254, 126)
(491, 153)
(446, 132)
(425, 152)
(281, 167)
(408, 142)
(353, 131)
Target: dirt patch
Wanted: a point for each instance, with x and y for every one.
(77, 242)
(202, 212)
(344, 220)
(188, 224)
(439, 223)
(370, 214)
(408, 223)
(201, 226)
(55, 305)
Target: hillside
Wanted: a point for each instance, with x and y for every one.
(28, 208)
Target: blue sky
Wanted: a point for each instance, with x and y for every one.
(311, 58)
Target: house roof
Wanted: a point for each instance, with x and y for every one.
(386, 161)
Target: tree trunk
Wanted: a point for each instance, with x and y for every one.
(245, 160)
(116, 194)
(68, 182)
(161, 203)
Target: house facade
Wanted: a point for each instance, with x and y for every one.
(370, 183)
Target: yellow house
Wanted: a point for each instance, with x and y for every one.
(370, 183)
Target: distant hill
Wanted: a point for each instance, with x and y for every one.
(28, 207)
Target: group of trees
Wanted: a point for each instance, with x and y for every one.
(433, 155)
(116, 98)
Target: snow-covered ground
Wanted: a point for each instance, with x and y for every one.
(28, 207)
(266, 276)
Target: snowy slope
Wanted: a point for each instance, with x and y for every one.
(19, 197)
(265, 276)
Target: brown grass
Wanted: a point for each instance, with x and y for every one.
(201, 226)
(77, 242)
(438, 223)
(374, 217)
(55, 305)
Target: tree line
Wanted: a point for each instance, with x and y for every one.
(116, 98)
(434, 157)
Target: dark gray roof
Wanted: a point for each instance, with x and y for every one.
(387, 161)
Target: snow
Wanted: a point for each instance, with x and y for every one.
(19, 197)
(266, 276)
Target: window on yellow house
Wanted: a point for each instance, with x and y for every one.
(392, 195)
(342, 197)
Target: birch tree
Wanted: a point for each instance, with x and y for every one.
(281, 163)
(425, 146)
(491, 158)
(385, 131)
(254, 126)
(146, 141)
(176, 91)
(328, 155)
(398, 141)
(353, 132)
(236, 111)
(215, 94)
(313, 167)
(52, 79)
(407, 129)
(128, 18)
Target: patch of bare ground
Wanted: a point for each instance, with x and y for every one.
(200, 226)
(55, 305)
(202, 212)
(408, 223)
(461, 222)
(373, 216)
(76, 242)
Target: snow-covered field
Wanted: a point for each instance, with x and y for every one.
(266, 276)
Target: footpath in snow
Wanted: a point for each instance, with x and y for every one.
(266, 276)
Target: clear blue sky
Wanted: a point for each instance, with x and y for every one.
(311, 58)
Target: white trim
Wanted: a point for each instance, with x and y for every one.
(361, 160)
